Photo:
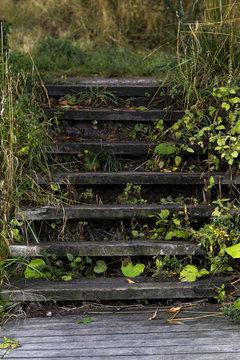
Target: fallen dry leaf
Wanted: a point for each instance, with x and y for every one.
(63, 102)
(186, 217)
(53, 100)
(130, 281)
(154, 315)
(174, 309)
(175, 322)
(111, 139)
(166, 170)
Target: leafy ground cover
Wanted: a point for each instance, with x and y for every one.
(205, 71)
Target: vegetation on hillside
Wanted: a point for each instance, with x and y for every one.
(193, 45)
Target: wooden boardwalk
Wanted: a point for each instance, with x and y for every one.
(126, 335)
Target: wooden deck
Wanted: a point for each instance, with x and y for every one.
(126, 335)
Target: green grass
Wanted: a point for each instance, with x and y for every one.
(63, 58)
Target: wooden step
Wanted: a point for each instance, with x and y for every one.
(111, 289)
(111, 248)
(140, 178)
(110, 211)
(115, 147)
(115, 115)
(125, 90)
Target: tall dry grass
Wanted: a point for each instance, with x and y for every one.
(208, 50)
(143, 22)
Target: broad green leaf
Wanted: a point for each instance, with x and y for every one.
(236, 100)
(9, 344)
(177, 233)
(189, 273)
(86, 320)
(15, 232)
(177, 160)
(234, 251)
(15, 222)
(211, 182)
(190, 150)
(225, 106)
(164, 214)
(211, 110)
(165, 149)
(67, 277)
(25, 150)
(131, 270)
(213, 267)
(202, 272)
(88, 260)
(70, 256)
(141, 108)
(54, 187)
(237, 127)
(37, 269)
(224, 89)
(234, 154)
(100, 267)
(220, 127)
(237, 304)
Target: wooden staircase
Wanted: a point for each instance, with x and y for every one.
(95, 130)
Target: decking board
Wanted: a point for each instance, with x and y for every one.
(106, 337)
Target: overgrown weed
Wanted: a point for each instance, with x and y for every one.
(208, 52)
(23, 135)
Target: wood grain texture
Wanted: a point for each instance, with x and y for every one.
(116, 115)
(105, 248)
(108, 336)
(110, 289)
(119, 90)
(140, 178)
(118, 148)
(110, 211)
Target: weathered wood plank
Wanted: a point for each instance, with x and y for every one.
(109, 289)
(207, 356)
(133, 351)
(165, 336)
(110, 211)
(112, 248)
(120, 90)
(107, 336)
(124, 332)
(118, 148)
(138, 343)
(141, 178)
(116, 115)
